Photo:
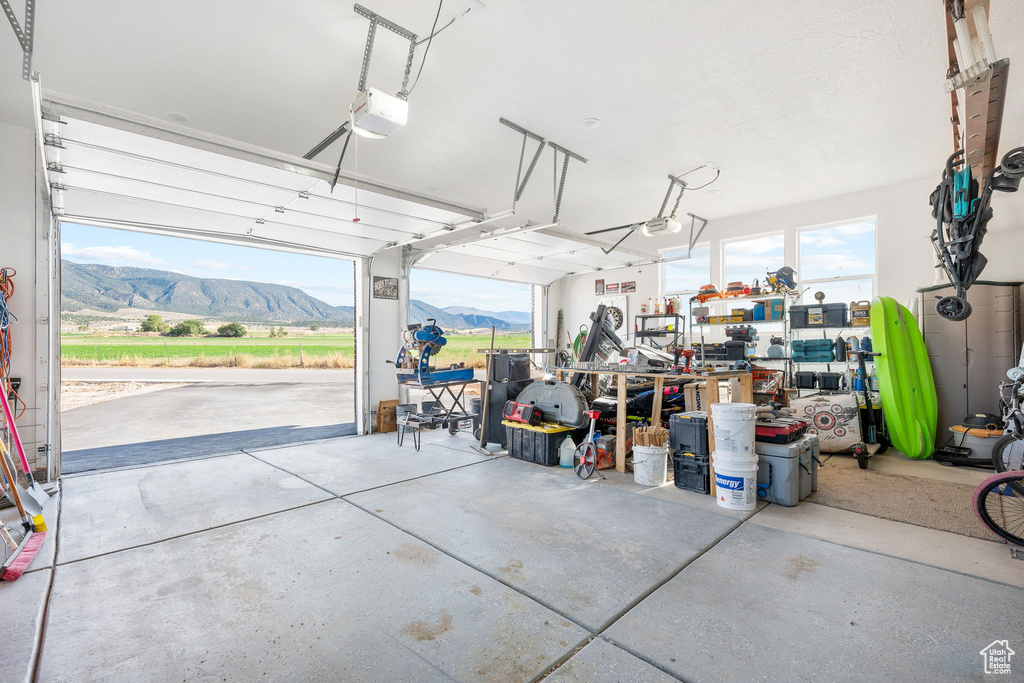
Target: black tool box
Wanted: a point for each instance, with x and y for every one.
(688, 432)
(692, 472)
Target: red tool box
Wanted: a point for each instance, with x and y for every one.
(522, 412)
(779, 430)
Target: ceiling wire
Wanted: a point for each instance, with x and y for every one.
(430, 40)
(419, 42)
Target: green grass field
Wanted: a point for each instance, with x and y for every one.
(316, 350)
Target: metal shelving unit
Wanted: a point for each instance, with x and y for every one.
(677, 332)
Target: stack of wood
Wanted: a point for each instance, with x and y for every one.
(650, 436)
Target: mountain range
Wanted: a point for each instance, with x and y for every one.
(111, 288)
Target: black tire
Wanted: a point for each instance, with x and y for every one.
(861, 453)
(1013, 163)
(476, 433)
(1003, 514)
(453, 428)
(1008, 456)
(953, 308)
(584, 460)
(883, 444)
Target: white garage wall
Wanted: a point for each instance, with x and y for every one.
(905, 257)
(18, 245)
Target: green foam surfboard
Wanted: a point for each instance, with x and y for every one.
(904, 378)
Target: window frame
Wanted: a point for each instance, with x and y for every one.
(747, 238)
(661, 269)
(873, 275)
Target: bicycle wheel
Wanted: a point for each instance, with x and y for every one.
(1000, 507)
(584, 459)
(1008, 456)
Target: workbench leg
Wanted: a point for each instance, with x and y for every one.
(713, 397)
(595, 387)
(659, 390)
(746, 389)
(620, 425)
(559, 375)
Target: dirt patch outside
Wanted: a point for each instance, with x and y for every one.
(79, 394)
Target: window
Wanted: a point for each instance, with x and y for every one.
(839, 261)
(749, 260)
(686, 275)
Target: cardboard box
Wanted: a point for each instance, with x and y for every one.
(387, 416)
(695, 394)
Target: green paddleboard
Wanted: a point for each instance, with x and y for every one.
(904, 378)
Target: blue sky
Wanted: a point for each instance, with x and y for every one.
(327, 279)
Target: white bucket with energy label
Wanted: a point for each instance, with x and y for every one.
(735, 483)
(734, 425)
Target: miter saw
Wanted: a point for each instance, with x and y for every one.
(412, 364)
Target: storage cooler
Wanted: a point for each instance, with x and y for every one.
(787, 473)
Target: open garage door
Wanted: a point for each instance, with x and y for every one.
(109, 168)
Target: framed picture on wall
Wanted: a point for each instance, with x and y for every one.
(629, 287)
(611, 288)
(385, 287)
(599, 287)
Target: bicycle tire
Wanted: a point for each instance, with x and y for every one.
(988, 499)
(1008, 462)
(1011, 461)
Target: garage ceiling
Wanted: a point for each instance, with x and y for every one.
(796, 100)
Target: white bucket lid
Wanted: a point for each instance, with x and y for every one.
(726, 466)
(733, 411)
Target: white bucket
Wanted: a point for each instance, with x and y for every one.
(736, 484)
(734, 425)
(650, 465)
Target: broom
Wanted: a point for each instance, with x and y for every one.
(35, 491)
(35, 530)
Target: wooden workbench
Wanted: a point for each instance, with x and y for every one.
(746, 395)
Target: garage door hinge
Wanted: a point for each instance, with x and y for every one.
(57, 187)
(52, 140)
(54, 167)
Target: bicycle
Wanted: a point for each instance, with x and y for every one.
(1008, 452)
(584, 459)
(999, 504)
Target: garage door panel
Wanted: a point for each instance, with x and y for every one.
(76, 157)
(106, 207)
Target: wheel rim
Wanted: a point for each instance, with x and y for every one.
(584, 460)
(1008, 456)
(953, 308)
(1000, 507)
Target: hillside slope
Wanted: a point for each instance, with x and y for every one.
(109, 288)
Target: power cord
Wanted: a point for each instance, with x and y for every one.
(430, 40)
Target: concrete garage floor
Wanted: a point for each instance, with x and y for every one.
(353, 559)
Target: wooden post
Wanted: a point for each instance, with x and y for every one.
(659, 389)
(713, 397)
(620, 423)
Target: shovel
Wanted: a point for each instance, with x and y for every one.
(32, 506)
(35, 491)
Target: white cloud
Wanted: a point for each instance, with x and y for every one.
(211, 264)
(109, 255)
